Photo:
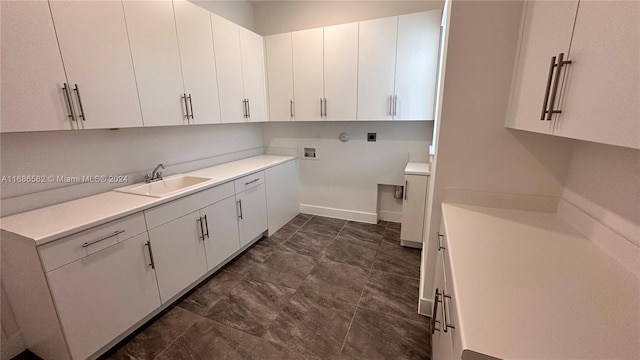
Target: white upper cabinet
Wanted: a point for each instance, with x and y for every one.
(417, 65)
(376, 68)
(601, 95)
(341, 72)
(154, 47)
(226, 41)
(195, 38)
(308, 74)
(252, 50)
(280, 76)
(32, 72)
(95, 51)
(577, 72)
(546, 33)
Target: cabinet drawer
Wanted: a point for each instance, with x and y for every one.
(74, 247)
(164, 213)
(249, 181)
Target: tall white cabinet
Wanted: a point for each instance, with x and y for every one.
(156, 58)
(278, 49)
(340, 72)
(308, 74)
(32, 71)
(94, 44)
(376, 68)
(576, 72)
(198, 61)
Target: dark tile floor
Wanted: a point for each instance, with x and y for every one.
(319, 288)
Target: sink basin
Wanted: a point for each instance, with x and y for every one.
(165, 187)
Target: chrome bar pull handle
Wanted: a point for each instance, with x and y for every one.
(440, 247)
(436, 300)
(321, 112)
(248, 108)
(67, 97)
(406, 188)
(554, 91)
(251, 182)
(395, 105)
(445, 322)
(206, 224)
(186, 106)
(291, 108)
(201, 234)
(545, 102)
(81, 115)
(240, 204)
(325, 108)
(152, 263)
(244, 108)
(116, 233)
(190, 106)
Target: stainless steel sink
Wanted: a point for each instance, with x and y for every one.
(165, 187)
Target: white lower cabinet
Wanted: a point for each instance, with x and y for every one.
(252, 213)
(283, 194)
(178, 254)
(413, 208)
(102, 295)
(221, 230)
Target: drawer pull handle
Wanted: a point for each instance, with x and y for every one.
(152, 264)
(406, 189)
(206, 224)
(251, 182)
(440, 247)
(201, 237)
(445, 323)
(103, 238)
(436, 300)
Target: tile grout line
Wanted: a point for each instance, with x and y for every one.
(178, 337)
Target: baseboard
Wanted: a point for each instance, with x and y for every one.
(610, 241)
(411, 244)
(392, 216)
(425, 307)
(371, 218)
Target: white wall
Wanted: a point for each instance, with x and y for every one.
(604, 182)
(238, 11)
(346, 175)
(132, 152)
(474, 149)
(274, 17)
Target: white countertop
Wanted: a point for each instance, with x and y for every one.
(53, 222)
(528, 285)
(417, 168)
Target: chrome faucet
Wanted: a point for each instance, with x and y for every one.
(155, 175)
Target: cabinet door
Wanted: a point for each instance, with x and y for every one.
(95, 51)
(178, 254)
(341, 71)
(376, 68)
(280, 76)
(198, 61)
(104, 294)
(221, 227)
(417, 65)
(32, 71)
(252, 207)
(154, 48)
(413, 205)
(283, 194)
(252, 49)
(442, 341)
(307, 74)
(226, 41)
(602, 88)
(546, 32)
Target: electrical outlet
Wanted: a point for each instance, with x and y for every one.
(371, 137)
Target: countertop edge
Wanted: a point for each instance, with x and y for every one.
(39, 241)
